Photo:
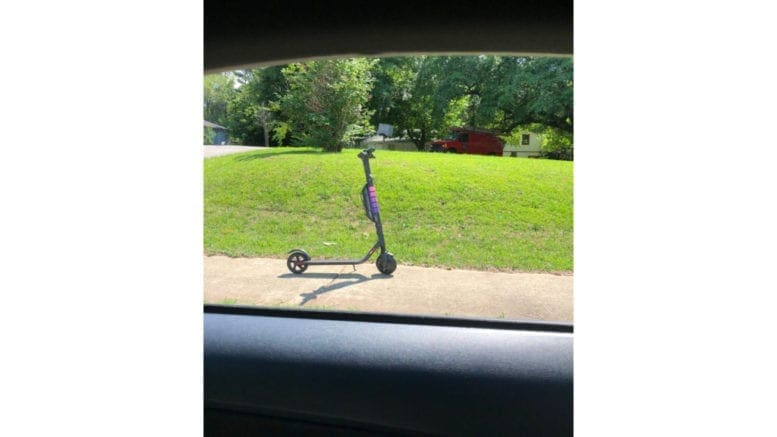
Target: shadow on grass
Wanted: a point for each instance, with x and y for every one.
(263, 154)
(354, 278)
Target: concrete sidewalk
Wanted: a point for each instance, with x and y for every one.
(416, 290)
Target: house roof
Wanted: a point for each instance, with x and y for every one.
(213, 125)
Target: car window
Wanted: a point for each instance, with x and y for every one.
(306, 205)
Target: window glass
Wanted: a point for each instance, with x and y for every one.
(416, 225)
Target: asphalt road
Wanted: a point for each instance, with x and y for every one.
(415, 290)
(211, 151)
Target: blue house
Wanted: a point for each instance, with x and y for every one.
(221, 136)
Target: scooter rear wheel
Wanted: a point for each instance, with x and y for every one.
(386, 263)
(293, 262)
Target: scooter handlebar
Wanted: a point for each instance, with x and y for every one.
(367, 153)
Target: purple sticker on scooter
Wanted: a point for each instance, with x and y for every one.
(373, 200)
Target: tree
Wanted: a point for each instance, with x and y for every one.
(506, 93)
(264, 115)
(424, 112)
(218, 91)
(325, 105)
(424, 96)
(503, 93)
(409, 94)
(532, 90)
(250, 117)
(329, 103)
(394, 79)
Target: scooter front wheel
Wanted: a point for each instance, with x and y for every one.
(296, 262)
(386, 263)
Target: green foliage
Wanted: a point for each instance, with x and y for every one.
(209, 136)
(394, 80)
(456, 113)
(426, 95)
(533, 90)
(251, 109)
(242, 122)
(424, 114)
(281, 132)
(557, 144)
(333, 102)
(325, 104)
(467, 76)
(505, 92)
(437, 209)
(218, 91)
(415, 96)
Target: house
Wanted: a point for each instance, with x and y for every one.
(216, 132)
(530, 146)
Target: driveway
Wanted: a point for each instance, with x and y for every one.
(416, 290)
(211, 151)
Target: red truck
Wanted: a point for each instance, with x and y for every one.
(469, 140)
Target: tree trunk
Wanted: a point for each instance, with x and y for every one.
(421, 140)
(266, 134)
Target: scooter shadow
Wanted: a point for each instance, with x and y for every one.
(357, 278)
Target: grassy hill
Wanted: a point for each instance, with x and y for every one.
(460, 211)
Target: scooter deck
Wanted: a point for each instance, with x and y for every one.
(333, 262)
(343, 262)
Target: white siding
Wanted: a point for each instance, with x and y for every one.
(532, 149)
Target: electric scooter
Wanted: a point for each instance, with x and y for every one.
(299, 260)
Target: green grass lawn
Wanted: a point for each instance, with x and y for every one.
(460, 211)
